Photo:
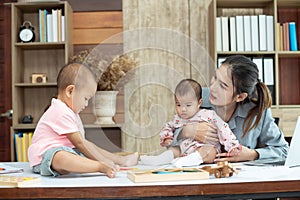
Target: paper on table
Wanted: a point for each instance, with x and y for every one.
(265, 172)
(6, 169)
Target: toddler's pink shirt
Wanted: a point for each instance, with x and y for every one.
(51, 130)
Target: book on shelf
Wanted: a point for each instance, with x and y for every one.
(259, 63)
(22, 142)
(254, 32)
(293, 36)
(25, 145)
(218, 34)
(55, 25)
(270, 32)
(247, 33)
(232, 33)
(278, 39)
(51, 25)
(286, 36)
(63, 29)
(268, 71)
(240, 33)
(225, 34)
(269, 76)
(49, 28)
(18, 147)
(59, 37)
(262, 32)
(43, 24)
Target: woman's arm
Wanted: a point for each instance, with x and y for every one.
(265, 141)
(203, 132)
(271, 140)
(245, 154)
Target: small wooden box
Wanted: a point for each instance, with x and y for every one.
(167, 175)
(17, 181)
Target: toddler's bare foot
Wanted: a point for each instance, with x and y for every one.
(129, 160)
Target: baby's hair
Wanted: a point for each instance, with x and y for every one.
(70, 73)
(188, 85)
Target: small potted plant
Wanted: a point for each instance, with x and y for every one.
(110, 72)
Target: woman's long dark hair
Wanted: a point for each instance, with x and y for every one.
(244, 74)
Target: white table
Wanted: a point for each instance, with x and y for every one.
(250, 182)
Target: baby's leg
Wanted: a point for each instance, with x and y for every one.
(161, 159)
(125, 161)
(191, 159)
(203, 154)
(176, 151)
(65, 162)
(208, 153)
(128, 160)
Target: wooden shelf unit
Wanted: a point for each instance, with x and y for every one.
(286, 63)
(36, 57)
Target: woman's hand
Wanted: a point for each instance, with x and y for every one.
(245, 154)
(203, 132)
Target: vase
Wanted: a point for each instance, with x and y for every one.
(105, 106)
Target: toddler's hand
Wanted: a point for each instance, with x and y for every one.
(111, 173)
(110, 170)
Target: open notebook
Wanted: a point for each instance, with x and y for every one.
(292, 160)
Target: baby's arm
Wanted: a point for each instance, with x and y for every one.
(166, 135)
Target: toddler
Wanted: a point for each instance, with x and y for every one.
(58, 144)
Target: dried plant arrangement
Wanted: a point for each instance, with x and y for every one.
(109, 70)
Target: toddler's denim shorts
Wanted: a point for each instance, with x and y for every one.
(45, 167)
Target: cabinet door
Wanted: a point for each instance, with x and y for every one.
(5, 81)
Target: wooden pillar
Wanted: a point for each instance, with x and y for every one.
(159, 33)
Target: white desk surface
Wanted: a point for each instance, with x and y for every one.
(246, 174)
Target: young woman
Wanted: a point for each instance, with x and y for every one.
(244, 102)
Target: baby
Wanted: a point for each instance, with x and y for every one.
(187, 151)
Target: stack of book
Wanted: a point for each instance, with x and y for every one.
(22, 142)
(51, 26)
(287, 36)
(245, 33)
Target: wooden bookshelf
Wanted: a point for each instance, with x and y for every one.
(35, 57)
(286, 63)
